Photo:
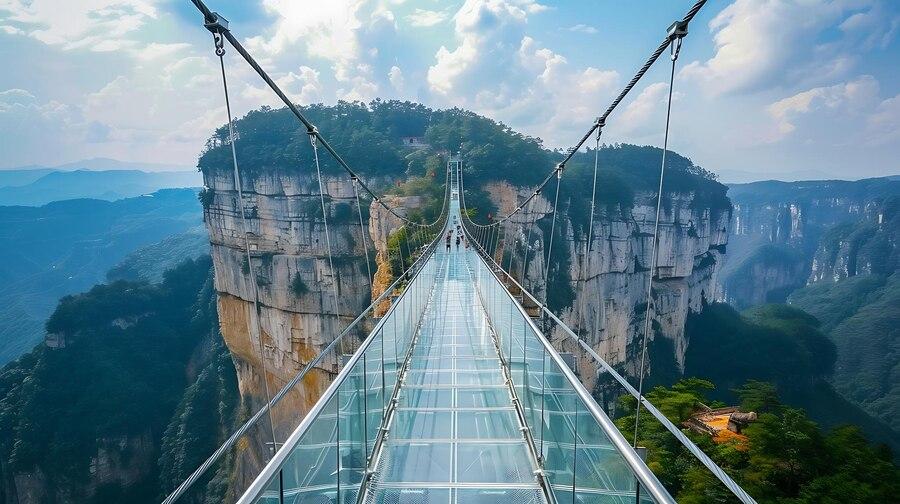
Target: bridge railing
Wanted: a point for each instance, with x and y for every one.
(611, 386)
(583, 456)
(326, 457)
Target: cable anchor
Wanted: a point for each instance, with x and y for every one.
(676, 33)
(217, 25)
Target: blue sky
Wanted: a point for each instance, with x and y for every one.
(805, 87)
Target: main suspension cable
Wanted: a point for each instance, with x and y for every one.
(216, 23)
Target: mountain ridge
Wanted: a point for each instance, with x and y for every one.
(107, 185)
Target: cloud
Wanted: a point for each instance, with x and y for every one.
(395, 76)
(883, 125)
(875, 28)
(423, 18)
(851, 97)
(95, 25)
(488, 32)
(326, 29)
(11, 30)
(768, 44)
(344, 33)
(303, 87)
(156, 50)
(498, 70)
(583, 28)
(29, 125)
(637, 113)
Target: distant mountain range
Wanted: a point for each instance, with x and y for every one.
(104, 179)
(98, 164)
(744, 177)
(68, 246)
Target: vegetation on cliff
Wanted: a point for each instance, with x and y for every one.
(861, 315)
(369, 137)
(109, 391)
(66, 247)
(785, 457)
(779, 344)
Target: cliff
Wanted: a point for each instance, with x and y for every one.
(789, 234)
(84, 421)
(606, 303)
(289, 258)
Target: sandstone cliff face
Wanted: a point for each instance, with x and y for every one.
(381, 225)
(610, 284)
(296, 302)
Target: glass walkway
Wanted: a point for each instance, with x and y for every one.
(456, 397)
(455, 435)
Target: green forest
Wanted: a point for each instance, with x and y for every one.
(122, 374)
(786, 458)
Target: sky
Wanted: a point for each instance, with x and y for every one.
(763, 88)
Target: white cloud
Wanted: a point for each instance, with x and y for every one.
(156, 50)
(302, 87)
(498, 70)
(395, 76)
(765, 44)
(28, 126)
(583, 28)
(637, 113)
(488, 32)
(851, 98)
(344, 33)
(883, 125)
(326, 29)
(875, 27)
(423, 18)
(96, 25)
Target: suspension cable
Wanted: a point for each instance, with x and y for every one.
(215, 22)
(362, 232)
(254, 288)
(334, 276)
(528, 243)
(678, 29)
(675, 49)
(559, 169)
(587, 247)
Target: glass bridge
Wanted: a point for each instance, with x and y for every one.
(456, 397)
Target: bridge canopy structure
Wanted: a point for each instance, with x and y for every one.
(455, 397)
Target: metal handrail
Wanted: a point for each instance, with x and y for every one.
(230, 442)
(274, 465)
(717, 471)
(643, 473)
